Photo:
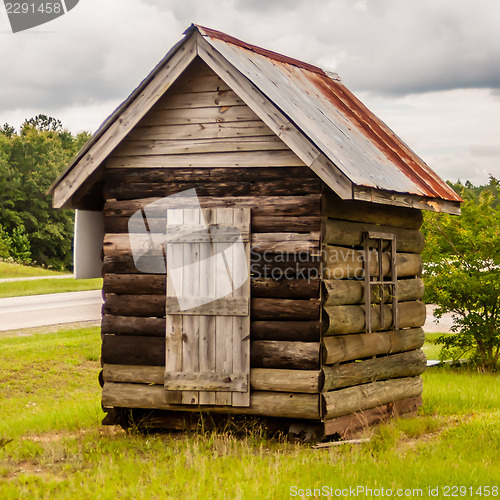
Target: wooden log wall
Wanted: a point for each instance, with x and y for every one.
(201, 135)
(362, 372)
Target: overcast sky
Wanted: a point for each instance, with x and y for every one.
(429, 68)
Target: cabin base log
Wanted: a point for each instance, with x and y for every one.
(276, 404)
(363, 397)
(346, 427)
(349, 426)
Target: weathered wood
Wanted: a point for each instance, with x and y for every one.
(283, 380)
(362, 211)
(103, 144)
(293, 355)
(343, 292)
(133, 350)
(351, 318)
(199, 100)
(342, 263)
(275, 404)
(406, 364)
(215, 175)
(286, 309)
(255, 128)
(261, 206)
(212, 114)
(261, 379)
(276, 120)
(226, 306)
(286, 289)
(270, 224)
(134, 305)
(206, 381)
(339, 232)
(304, 331)
(230, 159)
(350, 425)
(285, 242)
(224, 145)
(288, 266)
(358, 346)
(405, 200)
(129, 325)
(131, 190)
(138, 284)
(261, 308)
(362, 397)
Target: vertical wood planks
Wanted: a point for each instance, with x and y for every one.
(208, 342)
(223, 324)
(173, 355)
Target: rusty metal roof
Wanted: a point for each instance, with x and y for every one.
(352, 137)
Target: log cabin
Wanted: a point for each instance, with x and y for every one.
(324, 334)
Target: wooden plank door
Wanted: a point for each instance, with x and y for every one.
(208, 307)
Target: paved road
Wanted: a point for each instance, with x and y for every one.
(52, 309)
(442, 326)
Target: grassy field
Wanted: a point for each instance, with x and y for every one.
(8, 270)
(42, 286)
(52, 445)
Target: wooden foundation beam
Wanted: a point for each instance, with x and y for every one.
(262, 403)
(349, 425)
(366, 396)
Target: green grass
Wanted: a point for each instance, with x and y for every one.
(52, 446)
(8, 270)
(39, 287)
(431, 349)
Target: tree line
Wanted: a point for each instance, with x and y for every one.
(31, 158)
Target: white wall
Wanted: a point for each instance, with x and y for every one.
(89, 236)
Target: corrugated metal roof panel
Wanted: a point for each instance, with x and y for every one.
(352, 137)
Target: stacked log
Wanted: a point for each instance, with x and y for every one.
(365, 371)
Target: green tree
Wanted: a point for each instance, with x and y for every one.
(30, 161)
(462, 275)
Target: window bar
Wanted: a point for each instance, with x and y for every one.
(394, 273)
(381, 279)
(368, 289)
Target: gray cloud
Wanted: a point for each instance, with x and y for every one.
(101, 50)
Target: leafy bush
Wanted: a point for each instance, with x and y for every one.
(462, 275)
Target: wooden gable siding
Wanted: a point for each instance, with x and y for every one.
(200, 122)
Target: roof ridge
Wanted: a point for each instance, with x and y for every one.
(219, 35)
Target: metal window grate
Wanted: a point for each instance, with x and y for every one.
(379, 240)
